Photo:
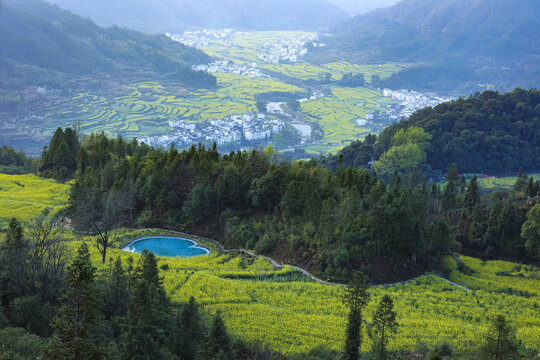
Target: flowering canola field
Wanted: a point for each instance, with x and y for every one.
(290, 314)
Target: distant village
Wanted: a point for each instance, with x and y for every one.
(408, 101)
(203, 37)
(288, 50)
(248, 129)
(229, 67)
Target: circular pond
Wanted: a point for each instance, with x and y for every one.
(167, 246)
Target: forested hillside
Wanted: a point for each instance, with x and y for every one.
(486, 132)
(331, 222)
(43, 45)
(459, 44)
(177, 16)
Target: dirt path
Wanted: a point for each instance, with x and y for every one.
(278, 266)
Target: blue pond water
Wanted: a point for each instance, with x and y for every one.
(167, 246)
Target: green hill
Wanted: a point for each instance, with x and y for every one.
(490, 132)
(461, 45)
(41, 44)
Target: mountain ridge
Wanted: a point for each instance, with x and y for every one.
(180, 15)
(491, 42)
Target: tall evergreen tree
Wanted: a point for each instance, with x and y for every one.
(384, 322)
(440, 238)
(188, 331)
(148, 314)
(217, 345)
(492, 234)
(478, 226)
(78, 313)
(530, 231)
(530, 189)
(116, 292)
(452, 173)
(13, 262)
(471, 196)
(521, 182)
(356, 298)
(499, 343)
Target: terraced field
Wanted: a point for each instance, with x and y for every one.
(243, 48)
(382, 70)
(149, 106)
(300, 70)
(145, 108)
(338, 112)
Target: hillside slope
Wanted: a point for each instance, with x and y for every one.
(178, 15)
(486, 132)
(41, 43)
(464, 43)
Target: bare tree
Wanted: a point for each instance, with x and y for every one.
(47, 257)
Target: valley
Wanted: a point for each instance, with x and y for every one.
(249, 78)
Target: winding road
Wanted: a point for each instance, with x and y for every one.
(278, 266)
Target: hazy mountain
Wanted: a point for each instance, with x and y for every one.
(355, 7)
(40, 42)
(177, 15)
(466, 41)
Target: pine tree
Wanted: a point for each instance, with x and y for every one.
(217, 345)
(148, 313)
(384, 321)
(530, 231)
(453, 173)
(356, 298)
(13, 262)
(478, 226)
(499, 343)
(492, 235)
(440, 237)
(520, 183)
(471, 196)
(531, 190)
(448, 200)
(116, 293)
(188, 331)
(78, 314)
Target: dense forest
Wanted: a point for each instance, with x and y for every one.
(486, 132)
(333, 223)
(333, 216)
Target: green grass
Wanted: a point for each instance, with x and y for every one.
(28, 196)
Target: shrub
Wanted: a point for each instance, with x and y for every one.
(448, 264)
(265, 244)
